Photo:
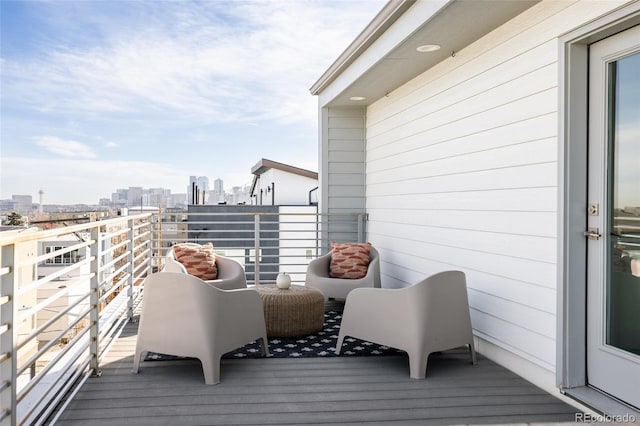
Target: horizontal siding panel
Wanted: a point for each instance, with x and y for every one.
(473, 98)
(357, 112)
(541, 224)
(521, 315)
(537, 104)
(542, 151)
(411, 253)
(525, 199)
(533, 346)
(531, 129)
(537, 297)
(541, 249)
(357, 134)
(354, 201)
(346, 167)
(337, 211)
(397, 275)
(346, 179)
(346, 122)
(534, 175)
(347, 190)
(353, 157)
(356, 145)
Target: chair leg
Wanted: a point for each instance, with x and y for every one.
(264, 346)
(418, 365)
(472, 350)
(136, 360)
(339, 343)
(211, 370)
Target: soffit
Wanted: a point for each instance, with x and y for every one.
(454, 27)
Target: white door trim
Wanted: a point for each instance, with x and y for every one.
(571, 370)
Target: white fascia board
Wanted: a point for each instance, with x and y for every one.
(405, 26)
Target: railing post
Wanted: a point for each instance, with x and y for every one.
(8, 351)
(94, 301)
(256, 249)
(130, 269)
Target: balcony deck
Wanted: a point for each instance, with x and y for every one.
(339, 390)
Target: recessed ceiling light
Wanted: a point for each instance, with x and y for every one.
(357, 98)
(428, 48)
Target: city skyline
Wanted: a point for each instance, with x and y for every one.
(100, 95)
(133, 196)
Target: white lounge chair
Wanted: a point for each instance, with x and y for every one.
(430, 316)
(185, 316)
(338, 288)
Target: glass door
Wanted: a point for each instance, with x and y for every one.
(613, 262)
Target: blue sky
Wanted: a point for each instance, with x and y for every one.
(100, 95)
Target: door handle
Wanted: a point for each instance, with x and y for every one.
(592, 234)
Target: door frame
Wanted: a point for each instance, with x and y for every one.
(571, 367)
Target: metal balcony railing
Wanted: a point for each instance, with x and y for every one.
(59, 317)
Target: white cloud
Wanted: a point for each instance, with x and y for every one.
(185, 63)
(150, 78)
(65, 148)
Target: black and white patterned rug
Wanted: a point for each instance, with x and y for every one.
(320, 344)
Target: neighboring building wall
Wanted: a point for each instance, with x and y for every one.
(76, 281)
(462, 173)
(277, 187)
(26, 274)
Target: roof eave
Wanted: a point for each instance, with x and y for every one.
(380, 23)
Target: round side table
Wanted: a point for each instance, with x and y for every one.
(296, 311)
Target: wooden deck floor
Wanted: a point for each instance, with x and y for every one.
(339, 390)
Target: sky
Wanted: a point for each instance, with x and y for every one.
(98, 95)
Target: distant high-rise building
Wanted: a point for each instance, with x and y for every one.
(218, 185)
(201, 184)
(134, 196)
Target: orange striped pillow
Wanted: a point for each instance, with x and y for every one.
(200, 261)
(349, 260)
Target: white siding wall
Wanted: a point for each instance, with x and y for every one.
(462, 172)
(345, 156)
(342, 168)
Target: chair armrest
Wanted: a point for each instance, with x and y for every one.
(373, 270)
(378, 315)
(319, 267)
(172, 265)
(241, 308)
(382, 301)
(231, 274)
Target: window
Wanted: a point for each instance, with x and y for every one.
(63, 259)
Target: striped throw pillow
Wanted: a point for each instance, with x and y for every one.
(200, 261)
(349, 260)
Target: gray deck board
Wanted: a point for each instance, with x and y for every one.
(340, 390)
